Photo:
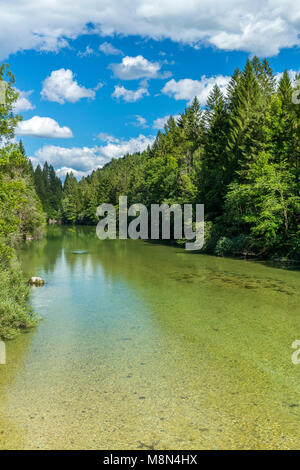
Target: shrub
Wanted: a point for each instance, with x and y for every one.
(239, 243)
(15, 312)
(224, 246)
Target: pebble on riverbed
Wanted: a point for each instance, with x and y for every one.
(36, 281)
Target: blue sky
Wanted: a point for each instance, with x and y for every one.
(97, 78)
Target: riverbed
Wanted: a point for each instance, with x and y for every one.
(146, 346)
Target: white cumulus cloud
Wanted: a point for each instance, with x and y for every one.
(256, 26)
(134, 68)
(61, 86)
(78, 158)
(83, 160)
(43, 127)
(120, 147)
(187, 89)
(23, 103)
(130, 96)
(63, 171)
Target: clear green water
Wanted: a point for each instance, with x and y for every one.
(146, 346)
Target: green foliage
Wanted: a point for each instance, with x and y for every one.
(8, 120)
(240, 244)
(21, 216)
(224, 246)
(265, 207)
(49, 189)
(240, 156)
(21, 213)
(15, 313)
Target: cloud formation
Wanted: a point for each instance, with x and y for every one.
(83, 160)
(61, 87)
(140, 121)
(87, 52)
(43, 127)
(159, 123)
(23, 103)
(256, 26)
(120, 147)
(187, 89)
(292, 75)
(109, 49)
(134, 68)
(63, 171)
(130, 96)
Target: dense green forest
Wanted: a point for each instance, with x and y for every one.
(21, 217)
(240, 156)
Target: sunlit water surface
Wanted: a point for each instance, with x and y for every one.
(144, 346)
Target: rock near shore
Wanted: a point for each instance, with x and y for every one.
(36, 281)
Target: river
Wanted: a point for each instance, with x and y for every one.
(146, 346)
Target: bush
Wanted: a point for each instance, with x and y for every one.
(15, 312)
(239, 243)
(212, 233)
(224, 246)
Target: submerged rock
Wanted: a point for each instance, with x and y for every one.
(36, 281)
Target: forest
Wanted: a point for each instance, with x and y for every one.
(239, 155)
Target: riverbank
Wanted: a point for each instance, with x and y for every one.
(16, 313)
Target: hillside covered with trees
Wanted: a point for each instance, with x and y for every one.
(240, 156)
(21, 217)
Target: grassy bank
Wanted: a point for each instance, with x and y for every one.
(15, 311)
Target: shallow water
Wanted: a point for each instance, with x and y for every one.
(144, 346)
